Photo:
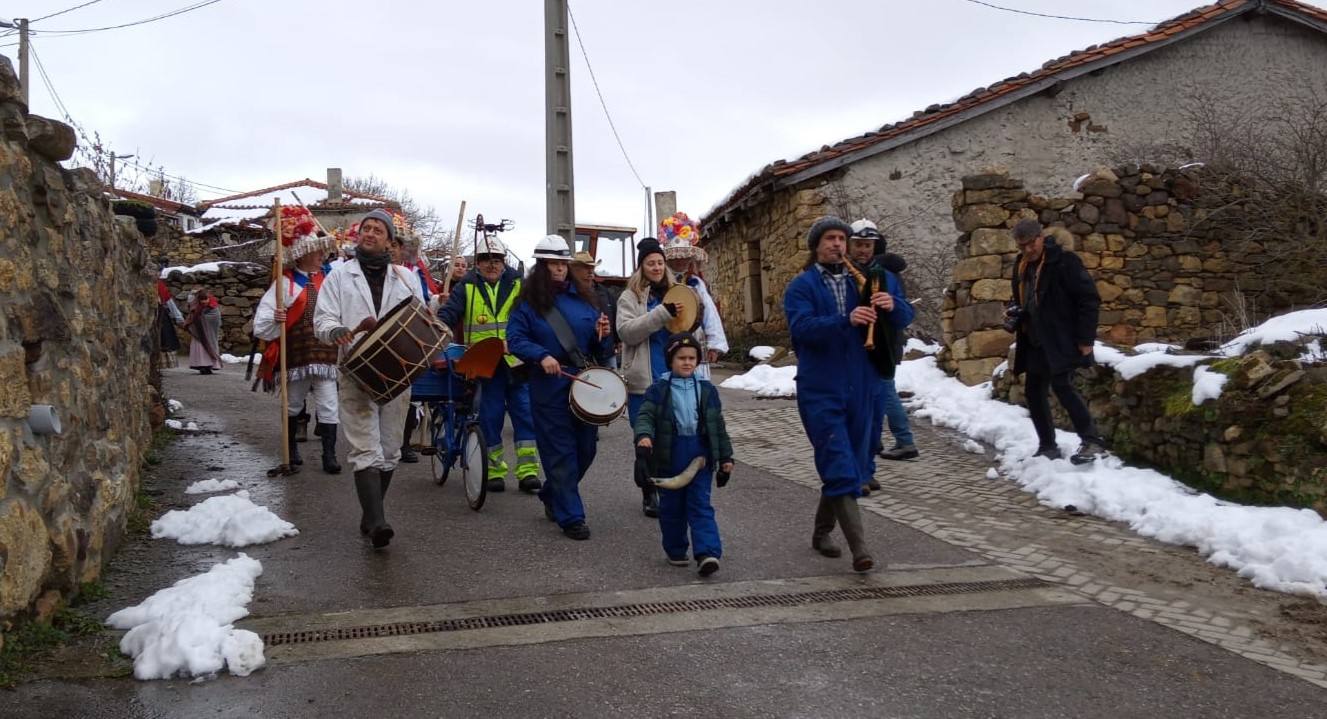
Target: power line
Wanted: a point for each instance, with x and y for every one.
(64, 110)
(144, 21)
(1061, 17)
(76, 7)
(602, 104)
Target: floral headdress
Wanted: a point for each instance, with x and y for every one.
(681, 236)
(298, 232)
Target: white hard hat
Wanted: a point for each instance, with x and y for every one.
(865, 229)
(490, 246)
(552, 247)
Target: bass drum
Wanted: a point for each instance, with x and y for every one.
(601, 403)
(387, 360)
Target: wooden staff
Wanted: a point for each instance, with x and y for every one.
(316, 223)
(281, 303)
(456, 251)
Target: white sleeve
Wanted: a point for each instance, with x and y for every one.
(174, 311)
(265, 326)
(715, 338)
(327, 313)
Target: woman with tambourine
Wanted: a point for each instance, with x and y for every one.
(561, 330)
(644, 312)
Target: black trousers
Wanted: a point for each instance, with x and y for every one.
(1038, 382)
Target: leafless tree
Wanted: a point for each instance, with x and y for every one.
(424, 218)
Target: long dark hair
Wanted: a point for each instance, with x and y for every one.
(538, 288)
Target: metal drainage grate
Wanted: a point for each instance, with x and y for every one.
(648, 609)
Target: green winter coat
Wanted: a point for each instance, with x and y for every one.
(656, 422)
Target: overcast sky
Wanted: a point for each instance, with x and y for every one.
(445, 99)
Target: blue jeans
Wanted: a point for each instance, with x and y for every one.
(896, 414)
(689, 507)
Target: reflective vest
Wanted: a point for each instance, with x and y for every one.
(483, 319)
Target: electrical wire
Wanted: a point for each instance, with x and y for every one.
(602, 103)
(144, 21)
(1061, 17)
(54, 14)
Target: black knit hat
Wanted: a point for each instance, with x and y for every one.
(823, 225)
(646, 247)
(677, 342)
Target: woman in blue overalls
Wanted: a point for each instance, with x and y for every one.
(642, 325)
(566, 444)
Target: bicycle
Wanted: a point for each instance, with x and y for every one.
(453, 425)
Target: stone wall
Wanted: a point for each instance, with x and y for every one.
(239, 287)
(1246, 66)
(1264, 441)
(749, 276)
(1164, 273)
(76, 312)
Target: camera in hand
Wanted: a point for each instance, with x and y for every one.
(1013, 314)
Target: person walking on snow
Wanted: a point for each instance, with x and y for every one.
(353, 298)
(682, 419)
(1054, 316)
(835, 382)
(481, 304)
(311, 368)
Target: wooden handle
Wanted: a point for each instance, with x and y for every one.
(281, 302)
(456, 250)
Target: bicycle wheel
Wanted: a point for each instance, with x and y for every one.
(440, 459)
(474, 467)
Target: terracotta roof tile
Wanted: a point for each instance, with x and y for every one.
(975, 99)
(306, 182)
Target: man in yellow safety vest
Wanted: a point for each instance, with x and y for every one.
(481, 304)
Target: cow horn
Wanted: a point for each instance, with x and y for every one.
(683, 478)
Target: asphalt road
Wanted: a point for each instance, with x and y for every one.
(931, 661)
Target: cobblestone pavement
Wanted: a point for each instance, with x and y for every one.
(945, 494)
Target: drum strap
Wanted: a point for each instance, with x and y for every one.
(565, 337)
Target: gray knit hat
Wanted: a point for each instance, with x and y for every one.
(823, 225)
(385, 218)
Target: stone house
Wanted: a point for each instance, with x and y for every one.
(1104, 103)
(331, 204)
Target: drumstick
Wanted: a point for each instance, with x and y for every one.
(578, 378)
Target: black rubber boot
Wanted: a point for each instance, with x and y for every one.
(302, 427)
(327, 433)
(825, 523)
(382, 533)
(850, 520)
(408, 454)
(368, 487)
(291, 424)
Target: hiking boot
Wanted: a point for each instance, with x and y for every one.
(578, 531)
(873, 485)
(825, 522)
(495, 485)
(1089, 451)
(529, 485)
(705, 566)
(649, 502)
(900, 452)
(1048, 453)
(678, 561)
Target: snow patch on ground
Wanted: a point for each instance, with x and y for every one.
(1207, 384)
(1283, 328)
(174, 405)
(1000, 370)
(207, 486)
(204, 267)
(915, 345)
(231, 520)
(760, 353)
(973, 447)
(1276, 548)
(1130, 367)
(1314, 353)
(992, 473)
(179, 426)
(186, 629)
(765, 381)
(1155, 347)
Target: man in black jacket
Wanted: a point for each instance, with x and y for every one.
(1054, 314)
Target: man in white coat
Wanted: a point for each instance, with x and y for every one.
(354, 297)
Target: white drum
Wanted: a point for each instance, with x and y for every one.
(599, 397)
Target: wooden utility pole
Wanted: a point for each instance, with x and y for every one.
(115, 157)
(21, 24)
(561, 195)
(665, 204)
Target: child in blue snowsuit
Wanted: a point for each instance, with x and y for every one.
(680, 419)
